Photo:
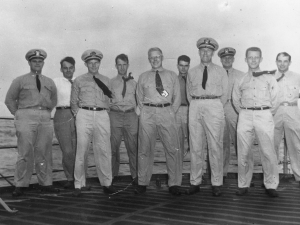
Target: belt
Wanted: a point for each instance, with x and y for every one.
(63, 107)
(256, 108)
(289, 104)
(157, 105)
(120, 111)
(205, 97)
(93, 108)
(39, 108)
(183, 104)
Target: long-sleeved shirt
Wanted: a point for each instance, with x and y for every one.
(289, 87)
(63, 87)
(182, 82)
(86, 93)
(261, 91)
(147, 93)
(233, 76)
(129, 100)
(23, 93)
(216, 84)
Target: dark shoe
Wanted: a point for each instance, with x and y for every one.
(109, 190)
(69, 185)
(50, 189)
(241, 191)
(140, 189)
(252, 184)
(77, 192)
(216, 191)
(193, 189)
(174, 190)
(272, 193)
(86, 188)
(17, 192)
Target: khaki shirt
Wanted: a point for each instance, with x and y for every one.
(23, 93)
(129, 100)
(182, 83)
(289, 87)
(216, 85)
(86, 93)
(252, 91)
(147, 93)
(233, 76)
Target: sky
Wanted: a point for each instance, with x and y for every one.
(69, 27)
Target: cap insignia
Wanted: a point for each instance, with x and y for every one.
(92, 53)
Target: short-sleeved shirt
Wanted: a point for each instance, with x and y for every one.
(86, 93)
(147, 93)
(216, 84)
(261, 91)
(129, 100)
(23, 93)
(289, 87)
(63, 86)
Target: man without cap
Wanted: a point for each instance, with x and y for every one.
(123, 117)
(158, 97)
(89, 103)
(183, 65)
(207, 86)
(31, 98)
(64, 121)
(231, 117)
(287, 117)
(255, 99)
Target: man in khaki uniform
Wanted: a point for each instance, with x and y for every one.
(207, 86)
(158, 96)
(231, 117)
(123, 117)
(183, 65)
(30, 99)
(255, 99)
(287, 117)
(89, 103)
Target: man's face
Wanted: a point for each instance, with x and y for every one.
(155, 59)
(68, 70)
(227, 61)
(206, 54)
(36, 65)
(253, 59)
(93, 66)
(122, 67)
(283, 63)
(183, 67)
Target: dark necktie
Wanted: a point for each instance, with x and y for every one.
(38, 82)
(227, 72)
(103, 87)
(184, 78)
(204, 79)
(280, 77)
(70, 81)
(125, 79)
(158, 82)
(257, 74)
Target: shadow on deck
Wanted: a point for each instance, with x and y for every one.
(157, 206)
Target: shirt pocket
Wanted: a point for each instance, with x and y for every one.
(262, 91)
(293, 91)
(28, 91)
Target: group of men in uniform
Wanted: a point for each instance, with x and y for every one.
(209, 104)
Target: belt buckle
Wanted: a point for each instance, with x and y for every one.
(39, 107)
(94, 108)
(285, 104)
